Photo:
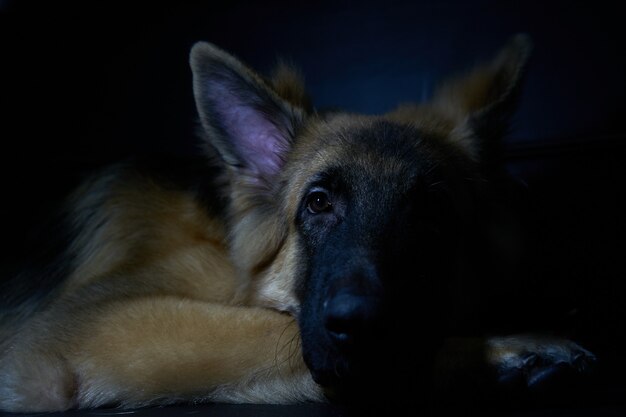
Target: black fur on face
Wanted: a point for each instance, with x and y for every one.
(382, 228)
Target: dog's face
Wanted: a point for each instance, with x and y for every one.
(378, 215)
(356, 224)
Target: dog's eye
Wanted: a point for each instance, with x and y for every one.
(318, 202)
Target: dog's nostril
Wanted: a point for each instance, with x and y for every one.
(348, 316)
(340, 329)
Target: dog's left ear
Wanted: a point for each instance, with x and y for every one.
(480, 103)
(244, 118)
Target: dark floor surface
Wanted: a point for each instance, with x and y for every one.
(318, 410)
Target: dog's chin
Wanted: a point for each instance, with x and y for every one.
(375, 370)
(338, 371)
(344, 375)
(342, 381)
(330, 367)
(348, 381)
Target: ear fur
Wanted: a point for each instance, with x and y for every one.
(288, 83)
(245, 120)
(480, 103)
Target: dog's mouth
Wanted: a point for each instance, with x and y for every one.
(332, 378)
(341, 373)
(367, 374)
(344, 362)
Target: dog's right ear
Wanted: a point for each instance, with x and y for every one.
(244, 119)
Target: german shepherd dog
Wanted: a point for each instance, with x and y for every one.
(312, 255)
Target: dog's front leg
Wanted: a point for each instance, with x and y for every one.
(156, 350)
(535, 359)
(509, 366)
(166, 349)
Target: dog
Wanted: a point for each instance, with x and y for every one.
(309, 256)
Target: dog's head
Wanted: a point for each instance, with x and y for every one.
(359, 225)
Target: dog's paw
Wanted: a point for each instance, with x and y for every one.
(538, 362)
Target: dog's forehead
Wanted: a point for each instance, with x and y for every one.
(368, 152)
(361, 145)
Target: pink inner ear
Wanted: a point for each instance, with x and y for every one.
(256, 140)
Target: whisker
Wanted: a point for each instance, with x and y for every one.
(473, 179)
(292, 345)
(434, 184)
(432, 168)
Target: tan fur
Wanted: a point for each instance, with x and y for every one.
(154, 231)
(288, 82)
(180, 348)
(156, 228)
(166, 302)
(137, 321)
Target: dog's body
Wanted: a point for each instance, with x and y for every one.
(332, 230)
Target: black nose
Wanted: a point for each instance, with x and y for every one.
(349, 317)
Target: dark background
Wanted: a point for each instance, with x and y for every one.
(85, 85)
